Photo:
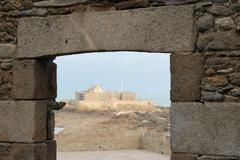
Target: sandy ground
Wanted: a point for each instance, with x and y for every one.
(101, 131)
(112, 155)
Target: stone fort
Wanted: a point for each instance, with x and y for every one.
(202, 36)
(96, 99)
(96, 93)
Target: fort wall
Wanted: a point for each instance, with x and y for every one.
(105, 96)
(115, 105)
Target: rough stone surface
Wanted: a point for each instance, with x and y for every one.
(58, 3)
(221, 77)
(228, 40)
(23, 121)
(132, 4)
(218, 61)
(28, 13)
(166, 29)
(50, 125)
(6, 79)
(205, 22)
(212, 96)
(177, 156)
(34, 79)
(7, 50)
(6, 65)
(4, 150)
(210, 128)
(235, 78)
(219, 10)
(29, 151)
(19, 151)
(217, 81)
(225, 23)
(52, 80)
(235, 92)
(186, 76)
(209, 157)
(51, 150)
(173, 2)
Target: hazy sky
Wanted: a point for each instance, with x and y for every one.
(146, 74)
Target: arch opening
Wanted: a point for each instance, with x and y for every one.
(114, 101)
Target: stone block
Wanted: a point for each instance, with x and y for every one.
(132, 4)
(225, 23)
(50, 125)
(23, 121)
(4, 150)
(208, 129)
(7, 50)
(219, 10)
(212, 96)
(235, 78)
(52, 80)
(20, 151)
(205, 23)
(214, 157)
(51, 150)
(177, 156)
(58, 3)
(228, 40)
(6, 79)
(163, 29)
(186, 76)
(34, 79)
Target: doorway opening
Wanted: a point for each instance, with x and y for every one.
(116, 102)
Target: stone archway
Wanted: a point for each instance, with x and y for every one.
(203, 38)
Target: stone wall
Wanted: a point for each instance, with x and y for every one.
(202, 35)
(28, 90)
(221, 81)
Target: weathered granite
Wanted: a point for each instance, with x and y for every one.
(58, 3)
(132, 4)
(6, 79)
(186, 76)
(5, 149)
(28, 13)
(217, 81)
(221, 79)
(235, 78)
(34, 79)
(177, 156)
(50, 125)
(219, 10)
(21, 151)
(210, 128)
(7, 50)
(225, 23)
(214, 157)
(205, 22)
(28, 151)
(23, 121)
(212, 96)
(221, 40)
(176, 2)
(165, 29)
(51, 150)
